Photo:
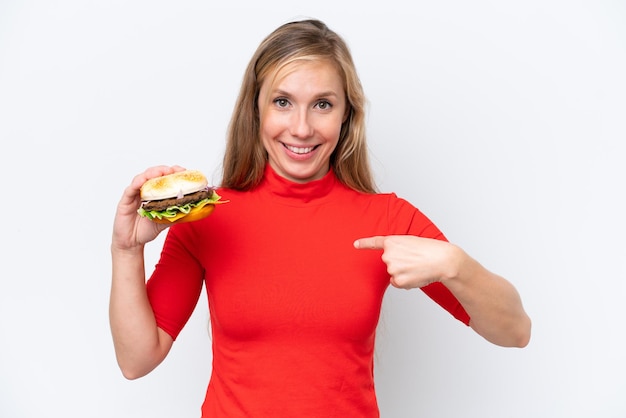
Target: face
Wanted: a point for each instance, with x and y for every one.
(301, 116)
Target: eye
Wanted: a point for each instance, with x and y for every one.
(324, 105)
(281, 102)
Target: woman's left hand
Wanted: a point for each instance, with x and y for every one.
(492, 303)
(413, 261)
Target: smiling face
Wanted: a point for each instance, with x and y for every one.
(301, 115)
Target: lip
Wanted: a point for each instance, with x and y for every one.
(298, 152)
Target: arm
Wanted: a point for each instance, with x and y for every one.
(139, 344)
(492, 303)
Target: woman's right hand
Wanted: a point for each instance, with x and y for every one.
(140, 345)
(131, 231)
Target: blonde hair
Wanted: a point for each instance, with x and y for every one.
(245, 157)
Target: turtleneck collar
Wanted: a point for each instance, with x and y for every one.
(293, 192)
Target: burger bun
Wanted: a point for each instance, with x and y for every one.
(173, 185)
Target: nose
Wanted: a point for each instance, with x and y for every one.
(300, 124)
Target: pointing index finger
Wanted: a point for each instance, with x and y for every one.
(370, 243)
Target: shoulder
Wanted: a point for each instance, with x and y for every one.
(390, 200)
(404, 217)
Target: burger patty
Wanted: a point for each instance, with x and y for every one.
(160, 205)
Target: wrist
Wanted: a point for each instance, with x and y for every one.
(458, 262)
(127, 252)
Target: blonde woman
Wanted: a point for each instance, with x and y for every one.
(307, 248)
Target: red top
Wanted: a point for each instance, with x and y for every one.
(293, 305)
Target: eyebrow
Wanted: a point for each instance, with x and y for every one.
(322, 94)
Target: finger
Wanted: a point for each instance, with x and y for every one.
(131, 193)
(370, 243)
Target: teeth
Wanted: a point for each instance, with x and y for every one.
(298, 150)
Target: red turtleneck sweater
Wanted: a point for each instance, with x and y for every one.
(293, 305)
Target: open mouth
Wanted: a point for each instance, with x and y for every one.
(300, 150)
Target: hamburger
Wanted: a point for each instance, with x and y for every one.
(184, 196)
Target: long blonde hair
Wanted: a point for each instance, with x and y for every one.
(245, 157)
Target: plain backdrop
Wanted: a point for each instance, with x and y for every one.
(503, 121)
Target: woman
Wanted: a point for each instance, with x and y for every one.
(297, 263)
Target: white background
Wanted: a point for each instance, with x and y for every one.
(503, 121)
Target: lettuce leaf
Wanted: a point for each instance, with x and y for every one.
(172, 211)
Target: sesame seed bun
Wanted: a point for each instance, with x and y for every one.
(173, 185)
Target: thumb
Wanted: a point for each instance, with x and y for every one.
(370, 243)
